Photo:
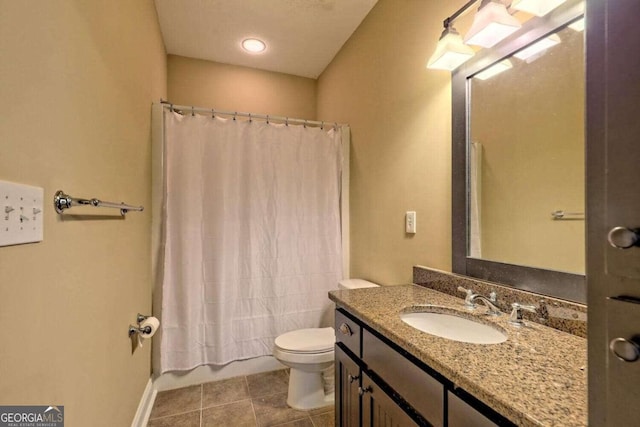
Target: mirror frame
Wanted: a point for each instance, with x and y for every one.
(556, 284)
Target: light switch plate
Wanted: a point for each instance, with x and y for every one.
(21, 210)
(410, 222)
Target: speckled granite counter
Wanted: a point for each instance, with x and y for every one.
(536, 378)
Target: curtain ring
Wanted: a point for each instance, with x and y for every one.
(267, 119)
(250, 119)
(234, 116)
(335, 126)
(305, 124)
(321, 125)
(171, 108)
(213, 113)
(286, 121)
(193, 114)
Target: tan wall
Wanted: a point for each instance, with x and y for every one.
(530, 122)
(77, 80)
(228, 87)
(400, 117)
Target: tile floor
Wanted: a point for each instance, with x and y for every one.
(253, 400)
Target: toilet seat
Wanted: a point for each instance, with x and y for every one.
(307, 341)
(310, 355)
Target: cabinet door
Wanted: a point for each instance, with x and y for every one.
(613, 211)
(379, 410)
(463, 415)
(347, 382)
(419, 389)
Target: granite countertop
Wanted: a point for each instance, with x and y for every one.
(535, 378)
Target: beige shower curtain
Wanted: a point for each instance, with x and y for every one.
(252, 239)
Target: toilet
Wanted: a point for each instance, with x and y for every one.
(309, 353)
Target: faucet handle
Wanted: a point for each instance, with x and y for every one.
(516, 313)
(467, 299)
(466, 291)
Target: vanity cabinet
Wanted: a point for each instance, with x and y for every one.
(379, 409)
(461, 414)
(360, 401)
(347, 381)
(377, 384)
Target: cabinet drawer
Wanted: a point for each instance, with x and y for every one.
(418, 388)
(348, 332)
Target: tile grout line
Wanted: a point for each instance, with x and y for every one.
(253, 409)
(293, 421)
(172, 415)
(308, 415)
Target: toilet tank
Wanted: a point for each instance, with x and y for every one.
(328, 318)
(355, 284)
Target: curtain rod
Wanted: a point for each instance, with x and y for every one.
(250, 116)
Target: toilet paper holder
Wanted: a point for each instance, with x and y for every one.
(138, 329)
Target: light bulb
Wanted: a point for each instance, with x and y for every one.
(253, 45)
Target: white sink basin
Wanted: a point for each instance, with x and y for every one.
(454, 327)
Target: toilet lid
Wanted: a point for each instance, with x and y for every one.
(307, 340)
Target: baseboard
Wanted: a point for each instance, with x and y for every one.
(144, 407)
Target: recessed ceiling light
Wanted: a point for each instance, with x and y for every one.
(253, 45)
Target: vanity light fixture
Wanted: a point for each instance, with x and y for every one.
(491, 24)
(537, 7)
(538, 47)
(494, 70)
(577, 25)
(253, 45)
(451, 52)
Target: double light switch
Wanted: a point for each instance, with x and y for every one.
(21, 210)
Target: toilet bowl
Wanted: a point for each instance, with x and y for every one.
(309, 353)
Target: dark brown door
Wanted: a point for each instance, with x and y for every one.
(379, 410)
(347, 385)
(613, 211)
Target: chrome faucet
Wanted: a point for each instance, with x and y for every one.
(467, 299)
(492, 309)
(516, 317)
(471, 298)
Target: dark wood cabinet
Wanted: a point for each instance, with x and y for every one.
(347, 383)
(379, 409)
(360, 401)
(379, 385)
(461, 414)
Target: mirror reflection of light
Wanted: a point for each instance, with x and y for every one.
(538, 47)
(494, 70)
(578, 25)
(537, 7)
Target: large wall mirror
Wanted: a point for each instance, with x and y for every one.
(518, 153)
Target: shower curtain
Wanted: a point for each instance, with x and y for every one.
(475, 200)
(252, 239)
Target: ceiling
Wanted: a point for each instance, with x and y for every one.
(302, 36)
